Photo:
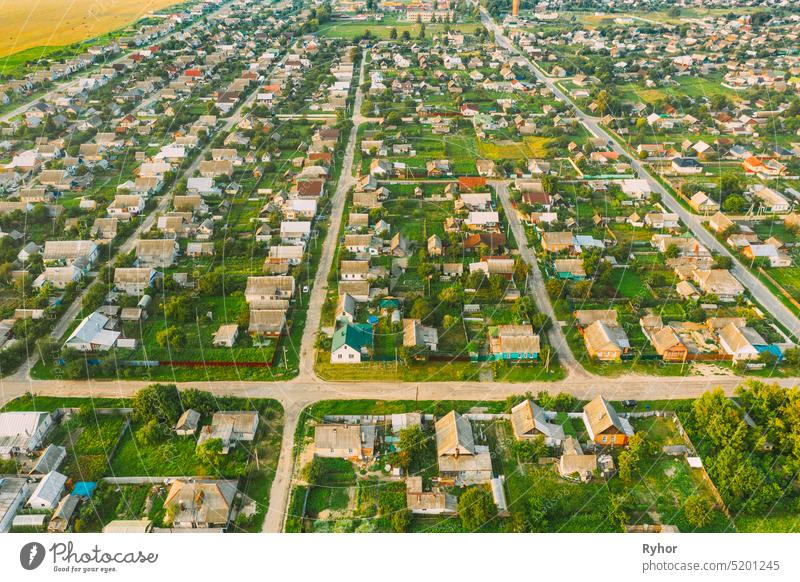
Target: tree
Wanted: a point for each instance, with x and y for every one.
(209, 451)
(210, 283)
(179, 309)
(615, 512)
(541, 322)
(171, 337)
(158, 401)
(734, 204)
(524, 308)
(672, 251)
(401, 520)
(151, 433)
(630, 458)
(313, 472)
(602, 102)
(413, 442)
(698, 510)
(393, 33)
(550, 184)
(715, 416)
(476, 508)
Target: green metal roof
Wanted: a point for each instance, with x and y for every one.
(355, 335)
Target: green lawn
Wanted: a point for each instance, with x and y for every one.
(351, 30)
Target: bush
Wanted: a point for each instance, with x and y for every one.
(476, 508)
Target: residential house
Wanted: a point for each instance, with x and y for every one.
(200, 503)
(604, 425)
(352, 342)
(529, 421)
(460, 458)
(354, 442)
(156, 252)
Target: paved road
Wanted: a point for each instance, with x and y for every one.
(756, 288)
(536, 284)
(299, 393)
(320, 287)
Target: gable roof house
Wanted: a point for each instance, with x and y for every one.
(428, 502)
(81, 253)
(603, 424)
(529, 421)
(267, 288)
(94, 333)
(514, 342)
(417, 335)
(352, 342)
(574, 462)
(267, 322)
(719, 282)
(22, 432)
(605, 342)
(134, 280)
(230, 427)
(188, 423)
(354, 442)
(48, 492)
(156, 252)
(200, 503)
(460, 459)
(554, 242)
(741, 343)
(58, 277)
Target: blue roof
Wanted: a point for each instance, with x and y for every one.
(84, 488)
(771, 348)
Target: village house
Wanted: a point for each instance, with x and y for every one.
(719, 282)
(134, 280)
(529, 421)
(459, 458)
(351, 343)
(80, 253)
(514, 342)
(156, 252)
(23, 432)
(606, 342)
(231, 427)
(354, 442)
(555, 242)
(604, 425)
(200, 503)
(417, 335)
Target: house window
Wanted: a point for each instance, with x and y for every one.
(352, 356)
(603, 439)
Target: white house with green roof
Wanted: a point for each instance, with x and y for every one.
(351, 343)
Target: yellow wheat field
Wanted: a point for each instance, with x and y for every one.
(26, 24)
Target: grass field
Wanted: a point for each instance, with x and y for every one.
(529, 147)
(53, 23)
(350, 30)
(788, 278)
(690, 86)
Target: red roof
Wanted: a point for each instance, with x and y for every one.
(471, 182)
